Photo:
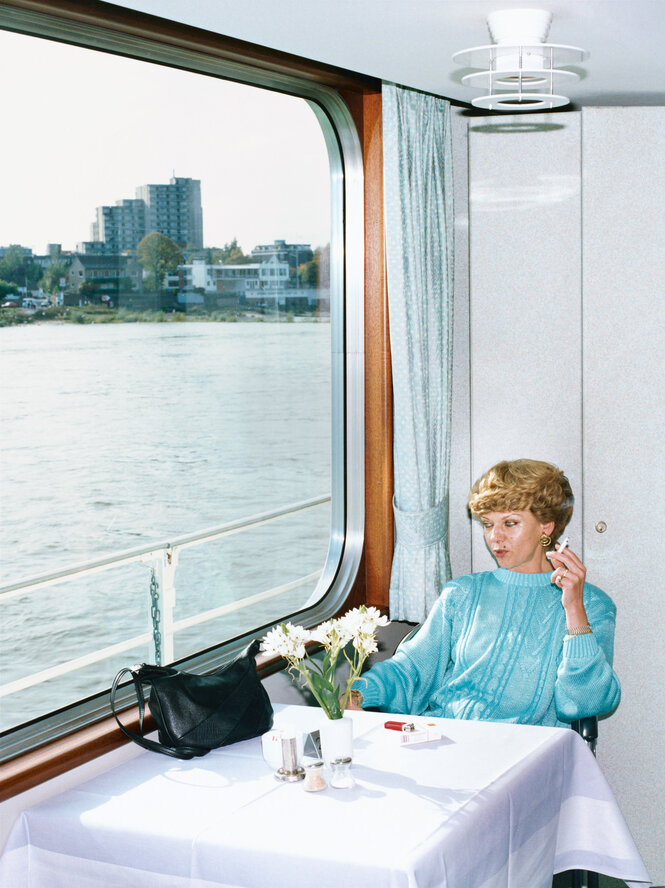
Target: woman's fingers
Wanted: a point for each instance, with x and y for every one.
(566, 563)
(567, 558)
(568, 574)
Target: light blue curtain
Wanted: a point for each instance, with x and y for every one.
(419, 256)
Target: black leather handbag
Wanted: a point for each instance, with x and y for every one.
(197, 713)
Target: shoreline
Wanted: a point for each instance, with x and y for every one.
(15, 317)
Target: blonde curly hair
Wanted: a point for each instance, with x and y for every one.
(525, 485)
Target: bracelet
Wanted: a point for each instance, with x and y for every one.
(356, 698)
(579, 630)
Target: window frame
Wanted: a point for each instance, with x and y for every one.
(154, 40)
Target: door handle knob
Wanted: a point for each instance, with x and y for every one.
(601, 527)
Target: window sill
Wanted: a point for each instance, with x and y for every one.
(39, 765)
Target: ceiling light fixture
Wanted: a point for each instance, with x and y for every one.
(520, 70)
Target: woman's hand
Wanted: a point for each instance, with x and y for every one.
(354, 702)
(569, 574)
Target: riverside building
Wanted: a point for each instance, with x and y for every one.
(172, 209)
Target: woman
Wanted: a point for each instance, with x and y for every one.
(530, 642)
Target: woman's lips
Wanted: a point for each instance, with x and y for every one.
(499, 553)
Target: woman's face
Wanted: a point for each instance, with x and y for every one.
(513, 538)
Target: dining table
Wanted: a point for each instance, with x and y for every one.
(478, 805)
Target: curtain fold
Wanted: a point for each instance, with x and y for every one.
(419, 258)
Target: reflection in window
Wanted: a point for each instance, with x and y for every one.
(165, 366)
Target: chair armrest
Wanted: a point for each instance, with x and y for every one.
(587, 728)
(412, 629)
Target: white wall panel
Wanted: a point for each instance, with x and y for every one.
(624, 442)
(525, 309)
(567, 341)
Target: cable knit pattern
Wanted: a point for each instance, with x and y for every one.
(493, 648)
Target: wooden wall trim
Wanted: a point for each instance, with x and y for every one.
(139, 24)
(39, 765)
(379, 543)
(379, 485)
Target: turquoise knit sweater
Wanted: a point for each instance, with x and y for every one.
(493, 648)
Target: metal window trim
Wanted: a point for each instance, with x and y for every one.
(347, 328)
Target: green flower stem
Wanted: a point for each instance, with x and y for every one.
(325, 672)
(356, 666)
(304, 672)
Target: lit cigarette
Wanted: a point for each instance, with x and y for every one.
(558, 551)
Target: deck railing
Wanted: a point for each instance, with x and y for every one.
(163, 558)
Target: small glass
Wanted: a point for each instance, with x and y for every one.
(341, 774)
(314, 779)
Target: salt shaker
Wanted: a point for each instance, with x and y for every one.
(341, 774)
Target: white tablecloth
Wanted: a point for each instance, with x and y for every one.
(490, 806)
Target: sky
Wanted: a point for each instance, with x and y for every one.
(82, 129)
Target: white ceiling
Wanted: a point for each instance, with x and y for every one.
(411, 41)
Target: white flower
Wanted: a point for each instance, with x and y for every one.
(373, 619)
(365, 645)
(286, 640)
(358, 625)
(363, 621)
(332, 635)
(323, 631)
(351, 623)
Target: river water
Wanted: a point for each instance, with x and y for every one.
(118, 435)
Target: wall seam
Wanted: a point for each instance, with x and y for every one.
(582, 411)
(469, 273)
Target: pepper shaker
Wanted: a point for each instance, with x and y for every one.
(314, 779)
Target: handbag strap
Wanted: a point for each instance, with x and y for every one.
(181, 752)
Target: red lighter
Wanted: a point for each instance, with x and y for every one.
(399, 726)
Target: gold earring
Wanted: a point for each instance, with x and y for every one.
(545, 541)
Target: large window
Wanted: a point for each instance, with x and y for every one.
(177, 466)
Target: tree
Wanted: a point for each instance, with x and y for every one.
(7, 289)
(316, 272)
(158, 255)
(88, 290)
(229, 254)
(18, 268)
(308, 272)
(323, 260)
(50, 281)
